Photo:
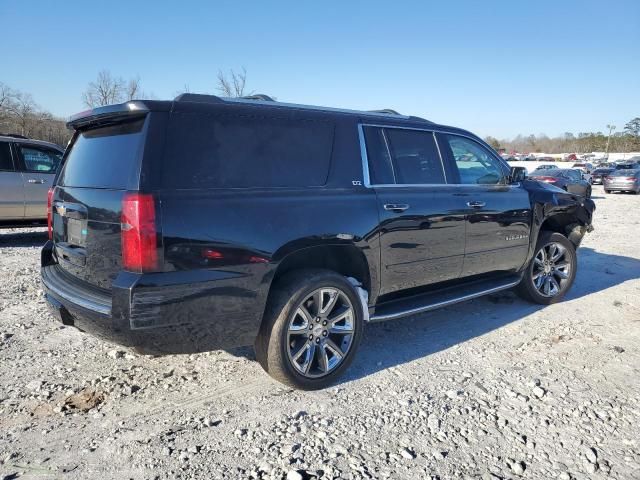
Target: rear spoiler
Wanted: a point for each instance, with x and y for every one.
(108, 114)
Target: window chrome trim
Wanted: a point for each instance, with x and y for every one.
(386, 143)
(365, 159)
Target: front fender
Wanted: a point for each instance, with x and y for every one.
(554, 209)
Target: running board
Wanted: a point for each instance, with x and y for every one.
(442, 298)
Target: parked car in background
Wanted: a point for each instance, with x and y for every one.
(628, 165)
(598, 175)
(27, 170)
(585, 167)
(623, 180)
(208, 222)
(572, 157)
(566, 178)
(546, 159)
(545, 167)
(606, 165)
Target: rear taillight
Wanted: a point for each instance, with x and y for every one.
(546, 179)
(138, 227)
(50, 213)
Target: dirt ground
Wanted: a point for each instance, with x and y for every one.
(492, 388)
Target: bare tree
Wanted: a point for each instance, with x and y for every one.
(233, 84)
(106, 90)
(134, 90)
(23, 110)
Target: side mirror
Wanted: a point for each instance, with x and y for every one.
(517, 174)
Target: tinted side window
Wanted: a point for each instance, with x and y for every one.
(5, 157)
(475, 164)
(380, 169)
(229, 151)
(105, 157)
(415, 157)
(40, 159)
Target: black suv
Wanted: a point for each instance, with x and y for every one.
(203, 223)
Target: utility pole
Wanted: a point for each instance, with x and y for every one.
(611, 129)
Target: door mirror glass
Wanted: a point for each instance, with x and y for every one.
(518, 174)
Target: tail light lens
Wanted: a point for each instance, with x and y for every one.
(546, 179)
(50, 213)
(138, 233)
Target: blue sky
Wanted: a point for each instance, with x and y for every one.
(494, 67)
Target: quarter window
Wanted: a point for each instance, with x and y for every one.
(228, 151)
(43, 160)
(475, 164)
(5, 157)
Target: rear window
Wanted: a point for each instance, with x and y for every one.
(232, 151)
(623, 172)
(105, 157)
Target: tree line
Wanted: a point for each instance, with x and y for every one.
(626, 140)
(20, 114)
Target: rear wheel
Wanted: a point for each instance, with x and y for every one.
(552, 270)
(311, 329)
(607, 191)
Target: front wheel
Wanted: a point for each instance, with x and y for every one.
(311, 329)
(552, 270)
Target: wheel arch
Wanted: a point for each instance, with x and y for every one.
(346, 259)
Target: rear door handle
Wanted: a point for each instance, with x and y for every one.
(36, 181)
(396, 207)
(476, 204)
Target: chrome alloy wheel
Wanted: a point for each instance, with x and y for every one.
(320, 332)
(551, 269)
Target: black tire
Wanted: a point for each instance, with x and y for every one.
(607, 191)
(527, 289)
(589, 192)
(286, 297)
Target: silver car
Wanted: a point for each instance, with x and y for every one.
(623, 180)
(27, 170)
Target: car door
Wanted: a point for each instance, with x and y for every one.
(421, 219)
(498, 214)
(39, 165)
(11, 186)
(576, 183)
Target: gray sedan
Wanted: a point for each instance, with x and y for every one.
(568, 179)
(623, 180)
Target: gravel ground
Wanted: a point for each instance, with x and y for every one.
(492, 388)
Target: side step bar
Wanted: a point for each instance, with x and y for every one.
(442, 298)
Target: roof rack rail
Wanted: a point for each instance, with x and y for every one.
(259, 96)
(388, 111)
(198, 97)
(257, 99)
(14, 135)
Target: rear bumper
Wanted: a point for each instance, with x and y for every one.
(172, 312)
(622, 187)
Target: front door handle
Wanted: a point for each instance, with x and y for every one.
(396, 207)
(35, 181)
(476, 204)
